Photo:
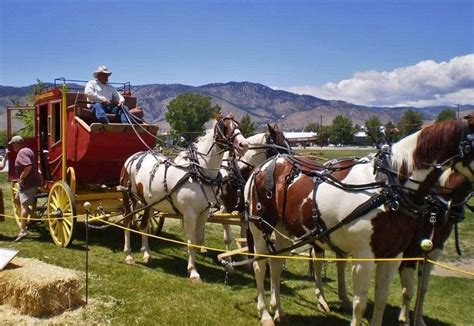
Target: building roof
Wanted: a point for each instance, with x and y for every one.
(297, 135)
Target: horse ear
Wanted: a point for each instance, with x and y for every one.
(218, 116)
(272, 129)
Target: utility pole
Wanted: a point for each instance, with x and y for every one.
(321, 130)
(458, 112)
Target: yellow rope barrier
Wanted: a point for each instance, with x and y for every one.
(101, 218)
(450, 268)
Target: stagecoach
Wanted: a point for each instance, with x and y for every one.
(79, 158)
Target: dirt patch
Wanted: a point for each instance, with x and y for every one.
(467, 264)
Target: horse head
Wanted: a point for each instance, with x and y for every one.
(227, 134)
(278, 144)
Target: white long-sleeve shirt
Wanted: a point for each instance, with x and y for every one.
(97, 92)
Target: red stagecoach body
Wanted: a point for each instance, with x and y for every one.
(95, 152)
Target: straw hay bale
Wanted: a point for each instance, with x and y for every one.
(39, 289)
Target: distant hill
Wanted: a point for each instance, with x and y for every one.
(261, 102)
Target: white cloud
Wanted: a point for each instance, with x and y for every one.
(424, 84)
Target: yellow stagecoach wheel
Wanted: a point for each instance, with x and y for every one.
(15, 187)
(157, 222)
(61, 214)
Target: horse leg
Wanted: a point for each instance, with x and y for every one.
(127, 222)
(341, 285)
(276, 267)
(260, 268)
(227, 238)
(383, 278)
(145, 227)
(407, 277)
(318, 278)
(424, 279)
(190, 227)
(361, 276)
(126, 248)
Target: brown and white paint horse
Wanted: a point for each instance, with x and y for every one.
(455, 190)
(380, 232)
(185, 186)
(261, 147)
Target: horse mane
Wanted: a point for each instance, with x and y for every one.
(433, 144)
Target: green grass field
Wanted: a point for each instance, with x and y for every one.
(161, 294)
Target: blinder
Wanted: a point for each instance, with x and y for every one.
(467, 144)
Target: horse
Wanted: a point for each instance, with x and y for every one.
(437, 225)
(454, 192)
(368, 208)
(186, 186)
(236, 172)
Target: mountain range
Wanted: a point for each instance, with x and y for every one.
(262, 103)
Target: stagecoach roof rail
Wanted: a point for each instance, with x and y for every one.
(123, 87)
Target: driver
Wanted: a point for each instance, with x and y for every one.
(105, 98)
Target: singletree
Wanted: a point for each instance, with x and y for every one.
(187, 114)
(247, 126)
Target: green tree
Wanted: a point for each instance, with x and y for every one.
(188, 113)
(445, 115)
(411, 122)
(341, 130)
(312, 126)
(27, 117)
(247, 126)
(392, 132)
(3, 138)
(372, 125)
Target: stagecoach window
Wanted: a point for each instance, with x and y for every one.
(56, 122)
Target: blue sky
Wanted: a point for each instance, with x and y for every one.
(303, 46)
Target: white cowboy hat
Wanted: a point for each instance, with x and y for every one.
(102, 70)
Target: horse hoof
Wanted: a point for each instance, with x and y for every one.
(129, 261)
(196, 280)
(267, 322)
(146, 259)
(280, 319)
(324, 308)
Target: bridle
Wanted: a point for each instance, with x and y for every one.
(224, 135)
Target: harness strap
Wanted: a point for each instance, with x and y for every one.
(269, 182)
(373, 202)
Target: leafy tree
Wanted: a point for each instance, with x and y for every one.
(410, 123)
(3, 138)
(188, 113)
(341, 130)
(445, 115)
(247, 126)
(372, 125)
(324, 134)
(27, 117)
(392, 132)
(312, 126)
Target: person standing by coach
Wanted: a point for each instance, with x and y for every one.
(29, 180)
